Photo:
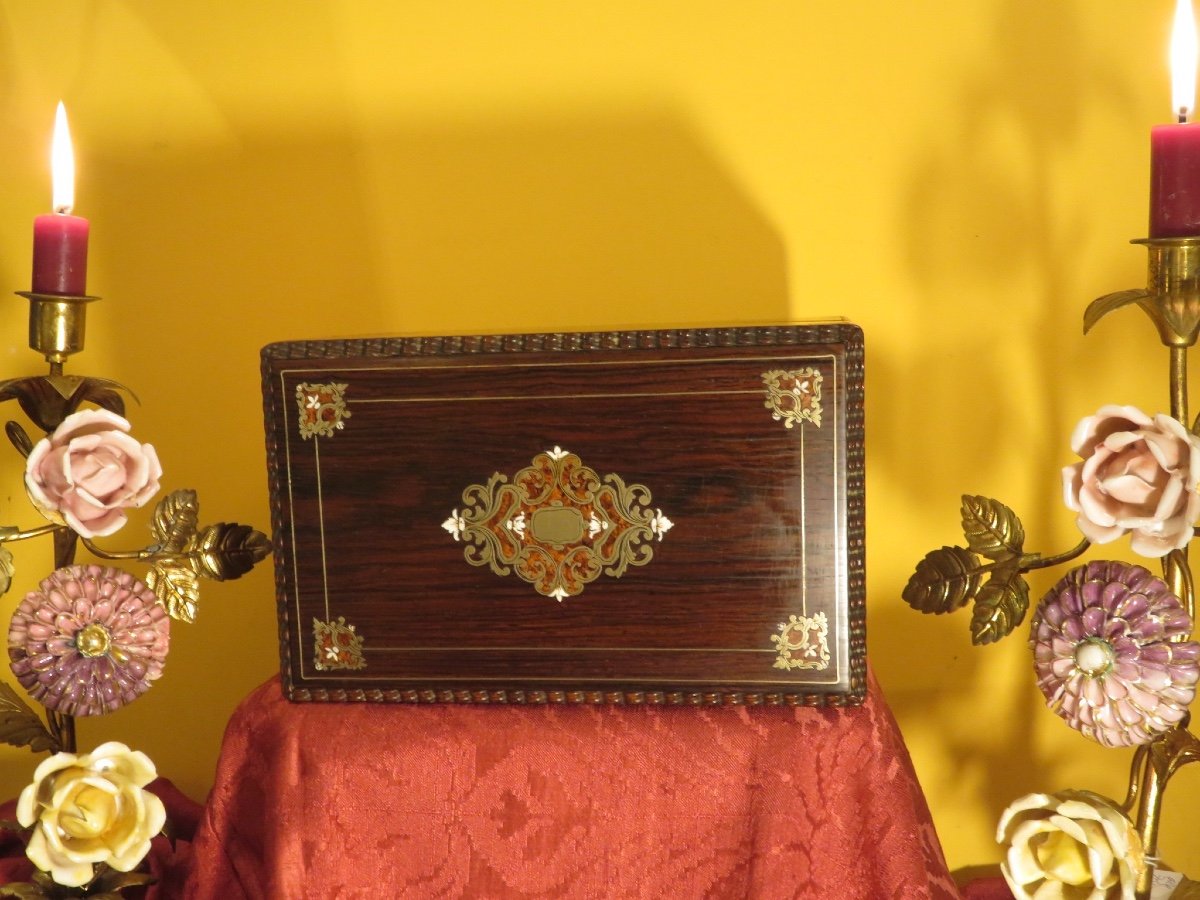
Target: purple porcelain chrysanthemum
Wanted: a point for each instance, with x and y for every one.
(1110, 656)
(89, 640)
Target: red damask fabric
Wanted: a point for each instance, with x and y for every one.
(367, 801)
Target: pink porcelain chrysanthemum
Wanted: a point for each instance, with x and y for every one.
(89, 640)
(1110, 656)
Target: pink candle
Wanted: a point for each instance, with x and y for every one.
(1175, 149)
(60, 254)
(60, 240)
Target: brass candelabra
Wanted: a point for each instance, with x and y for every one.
(1172, 301)
(989, 572)
(183, 551)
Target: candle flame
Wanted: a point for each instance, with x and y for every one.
(62, 163)
(1183, 59)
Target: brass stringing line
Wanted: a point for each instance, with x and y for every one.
(804, 526)
(803, 561)
(575, 649)
(508, 679)
(490, 398)
(840, 581)
(321, 523)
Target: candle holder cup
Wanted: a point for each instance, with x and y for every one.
(57, 324)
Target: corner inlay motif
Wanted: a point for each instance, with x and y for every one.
(337, 645)
(794, 396)
(322, 409)
(803, 643)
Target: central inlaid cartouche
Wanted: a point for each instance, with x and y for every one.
(557, 524)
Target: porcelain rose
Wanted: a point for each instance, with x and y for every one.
(1138, 475)
(90, 809)
(89, 471)
(1070, 844)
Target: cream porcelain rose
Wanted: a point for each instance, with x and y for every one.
(1073, 844)
(91, 809)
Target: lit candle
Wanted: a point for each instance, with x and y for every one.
(60, 240)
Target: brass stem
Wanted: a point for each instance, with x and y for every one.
(139, 555)
(1178, 575)
(1046, 561)
(62, 729)
(29, 533)
(1179, 391)
(115, 554)
(1148, 814)
(1135, 779)
(1175, 568)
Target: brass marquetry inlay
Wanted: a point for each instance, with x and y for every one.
(557, 524)
(803, 643)
(337, 645)
(322, 409)
(794, 396)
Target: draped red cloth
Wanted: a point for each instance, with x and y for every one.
(358, 801)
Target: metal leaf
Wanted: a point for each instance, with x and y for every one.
(7, 566)
(944, 581)
(19, 437)
(228, 550)
(1102, 306)
(48, 399)
(23, 890)
(1000, 607)
(113, 882)
(175, 519)
(20, 725)
(177, 589)
(991, 528)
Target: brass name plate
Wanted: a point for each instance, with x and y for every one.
(613, 517)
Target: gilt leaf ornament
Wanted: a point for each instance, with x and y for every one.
(1000, 606)
(991, 528)
(945, 580)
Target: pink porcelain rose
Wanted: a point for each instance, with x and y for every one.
(89, 471)
(1138, 475)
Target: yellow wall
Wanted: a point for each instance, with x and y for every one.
(959, 178)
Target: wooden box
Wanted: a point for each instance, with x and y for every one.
(622, 517)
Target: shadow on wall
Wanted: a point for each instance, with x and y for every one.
(535, 225)
(572, 223)
(979, 216)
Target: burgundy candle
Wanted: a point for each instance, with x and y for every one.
(60, 240)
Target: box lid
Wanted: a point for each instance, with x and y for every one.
(657, 516)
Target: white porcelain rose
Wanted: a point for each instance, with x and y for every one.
(1071, 844)
(1138, 475)
(89, 471)
(91, 809)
